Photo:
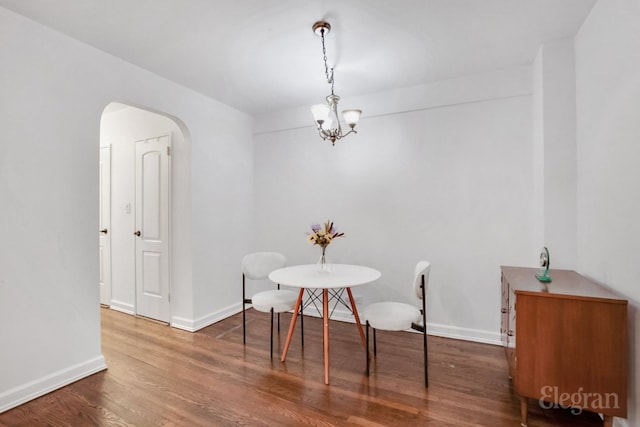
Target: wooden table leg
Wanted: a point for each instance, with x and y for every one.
(355, 314)
(292, 326)
(523, 411)
(325, 333)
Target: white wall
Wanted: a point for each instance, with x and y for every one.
(608, 133)
(442, 173)
(120, 129)
(554, 134)
(54, 90)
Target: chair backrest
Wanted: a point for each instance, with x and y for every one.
(258, 265)
(422, 267)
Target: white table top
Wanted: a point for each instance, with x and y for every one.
(341, 276)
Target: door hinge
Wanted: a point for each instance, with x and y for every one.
(168, 151)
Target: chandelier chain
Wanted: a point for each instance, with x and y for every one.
(326, 67)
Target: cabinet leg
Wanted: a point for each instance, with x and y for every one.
(523, 411)
(608, 421)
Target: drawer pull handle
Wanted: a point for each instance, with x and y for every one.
(510, 333)
(504, 311)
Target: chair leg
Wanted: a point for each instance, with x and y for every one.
(244, 298)
(244, 332)
(367, 352)
(302, 325)
(426, 368)
(271, 344)
(424, 330)
(278, 314)
(375, 346)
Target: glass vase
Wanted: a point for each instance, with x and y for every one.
(324, 266)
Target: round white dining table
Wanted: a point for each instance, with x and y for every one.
(307, 277)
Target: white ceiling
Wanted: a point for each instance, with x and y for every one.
(261, 55)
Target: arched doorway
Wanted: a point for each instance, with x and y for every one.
(135, 210)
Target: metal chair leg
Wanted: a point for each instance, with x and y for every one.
(367, 352)
(302, 324)
(271, 347)
(424, 330)
(426, 369)
(375, 345)
(244, 333)
(278, 314)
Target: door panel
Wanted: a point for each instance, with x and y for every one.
(151, 195)
(151, 280)
(152, 223)
(104, 223)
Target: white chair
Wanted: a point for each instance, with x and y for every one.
(257, 266)
(396, 316)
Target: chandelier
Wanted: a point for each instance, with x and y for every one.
(326, 115)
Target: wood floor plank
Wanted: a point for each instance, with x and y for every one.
(161, 376)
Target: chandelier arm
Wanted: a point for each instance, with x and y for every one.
(351, 131)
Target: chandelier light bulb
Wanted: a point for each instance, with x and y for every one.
(320, 113)
(351, 117)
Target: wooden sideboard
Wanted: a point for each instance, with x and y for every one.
(565, 342)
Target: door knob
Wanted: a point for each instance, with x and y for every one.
(137, 233)
(104, 231)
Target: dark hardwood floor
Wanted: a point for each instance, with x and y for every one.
(160, 376)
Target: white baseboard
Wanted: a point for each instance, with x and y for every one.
(438, 330)
(466, 334)
(123, 307)
(41, 386)
(192, 325)
(344, 315)
(183, 323)
(620, 422)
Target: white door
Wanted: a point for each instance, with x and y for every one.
(152, 227)
(105, 225)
